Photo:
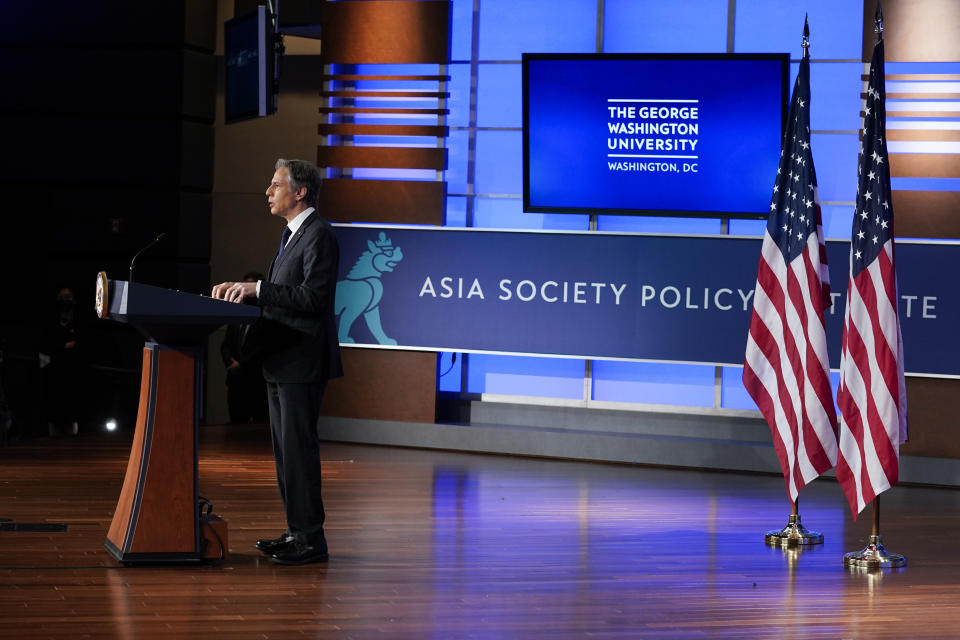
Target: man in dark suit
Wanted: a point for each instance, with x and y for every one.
(298, 335)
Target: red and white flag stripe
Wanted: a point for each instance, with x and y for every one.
(872, 393)
(786, 369)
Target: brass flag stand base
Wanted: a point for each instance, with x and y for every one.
(874, 555)
(794, 534)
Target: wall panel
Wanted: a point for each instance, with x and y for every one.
(918, 32)
(384, 385)
(384, 89)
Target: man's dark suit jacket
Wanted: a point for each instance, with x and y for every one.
(298, 328)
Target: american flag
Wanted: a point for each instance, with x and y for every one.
(786, 370)
(872, 394)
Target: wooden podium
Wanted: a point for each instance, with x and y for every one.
(158, 517)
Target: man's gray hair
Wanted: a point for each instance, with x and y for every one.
(300, 174)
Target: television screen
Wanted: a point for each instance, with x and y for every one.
(671, 135)
(248, 51)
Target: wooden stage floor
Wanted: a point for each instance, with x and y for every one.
(428, 544)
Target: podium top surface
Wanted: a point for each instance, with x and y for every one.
(173, 317)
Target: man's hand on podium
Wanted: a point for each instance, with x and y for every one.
(234, 291)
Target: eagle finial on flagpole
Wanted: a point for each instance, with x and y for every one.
(878, 19)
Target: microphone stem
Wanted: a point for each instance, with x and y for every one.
(134, 260)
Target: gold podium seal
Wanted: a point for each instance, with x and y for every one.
(102, 296)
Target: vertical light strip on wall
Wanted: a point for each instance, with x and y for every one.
(472, 117)
(731, 24)
(471, 155)
(588, 363)
(725, 222)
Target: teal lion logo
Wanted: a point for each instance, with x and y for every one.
(359, 294)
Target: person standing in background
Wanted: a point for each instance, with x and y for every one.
(62, 372)
(242, 356)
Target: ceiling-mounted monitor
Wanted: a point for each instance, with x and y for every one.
(251, 82)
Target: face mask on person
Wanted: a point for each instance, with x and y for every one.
(65, 306)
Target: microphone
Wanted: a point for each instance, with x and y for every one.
(155, 242)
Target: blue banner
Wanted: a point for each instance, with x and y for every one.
(604, 296)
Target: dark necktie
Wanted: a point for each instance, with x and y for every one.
(283, 240)
(283, 243)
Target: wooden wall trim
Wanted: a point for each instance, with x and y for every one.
(383, 201)
(383, 157)
(379, 110)
(381, 384)
(924, 165)
(386, 32)
(927, 214)
(915, 30)
(900, 77)
(935, 135)
(354, 94)
(919, 114)
(932, 408)
(353, 77)
(349, 129)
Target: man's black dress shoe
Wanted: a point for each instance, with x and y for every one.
(301, 553)
(271, 546)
